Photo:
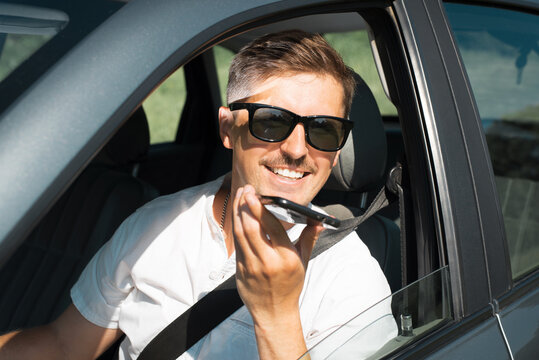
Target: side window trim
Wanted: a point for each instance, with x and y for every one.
(475, 251)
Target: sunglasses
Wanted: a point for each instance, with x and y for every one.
(274, 124)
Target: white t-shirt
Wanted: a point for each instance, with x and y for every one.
(171, 252)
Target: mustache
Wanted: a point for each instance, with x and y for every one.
(285, 160)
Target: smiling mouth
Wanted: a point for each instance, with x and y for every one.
(287, 173)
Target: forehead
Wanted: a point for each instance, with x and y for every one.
(303, 93)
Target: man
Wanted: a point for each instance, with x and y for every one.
(176, 249)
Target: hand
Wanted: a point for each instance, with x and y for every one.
(270, 273)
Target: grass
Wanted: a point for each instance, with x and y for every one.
(164, 107)
(17, 48)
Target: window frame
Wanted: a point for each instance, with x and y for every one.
(457, 146)
(420, 84)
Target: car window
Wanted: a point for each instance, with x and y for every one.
(500, 50)
(223, 58)
(164, 107)
(23, 30)
(355, 49)
(392, 323)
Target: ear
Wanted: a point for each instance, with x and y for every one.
(336, 159)
(226, 123)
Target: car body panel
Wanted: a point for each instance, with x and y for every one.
(484, 341)
(517, 321)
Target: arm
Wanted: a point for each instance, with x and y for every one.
(270, 275)
(71, 336)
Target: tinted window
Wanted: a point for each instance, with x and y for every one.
(23, 30)
(500, 49)
(33, 38)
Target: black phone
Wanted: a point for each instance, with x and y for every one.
(291, 212)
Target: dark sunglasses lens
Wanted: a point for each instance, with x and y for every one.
(271, 124)
(326, 133)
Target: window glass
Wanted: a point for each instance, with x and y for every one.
(23, 30)
(355, 49)
(223, 58)
(164, 107)
(394, 322)
(500, 50)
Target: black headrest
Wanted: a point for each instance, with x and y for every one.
(362, 160)
(130, 143)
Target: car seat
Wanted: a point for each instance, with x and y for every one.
(360, 171)
(36, 281)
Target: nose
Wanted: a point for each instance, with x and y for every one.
(295, 145)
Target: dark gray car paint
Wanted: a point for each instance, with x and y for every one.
(517, 320)
(483, 342)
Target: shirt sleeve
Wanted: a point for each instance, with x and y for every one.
(105, 282)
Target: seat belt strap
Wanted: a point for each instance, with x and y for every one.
(194, 323)
(330, 237)
(224, 300)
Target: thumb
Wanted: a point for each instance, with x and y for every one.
(307, 240)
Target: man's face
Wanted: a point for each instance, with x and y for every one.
(291, 168)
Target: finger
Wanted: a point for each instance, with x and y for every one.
(307, 241)
(268, 223)
(252, 224)
(241, 242)
(253, 232)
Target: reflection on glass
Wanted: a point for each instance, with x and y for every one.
(500, 50)
(23, 30)
(392, 323)
(16, 48)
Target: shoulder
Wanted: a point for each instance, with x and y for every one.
(183, 199)
(166, 208)
(349, 250)
(153, 221)
(350, 262)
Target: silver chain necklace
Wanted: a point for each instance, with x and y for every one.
(223, 214)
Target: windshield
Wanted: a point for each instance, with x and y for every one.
(23, 30)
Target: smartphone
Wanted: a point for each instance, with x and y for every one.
(295, 213)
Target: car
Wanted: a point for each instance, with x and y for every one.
(456, 84)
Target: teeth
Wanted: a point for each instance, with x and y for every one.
(288, 173)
